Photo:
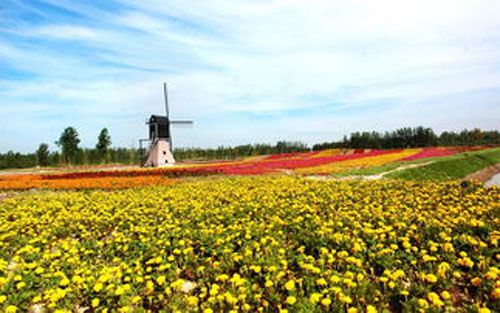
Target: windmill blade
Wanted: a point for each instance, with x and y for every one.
(182, 122)
(165, 94)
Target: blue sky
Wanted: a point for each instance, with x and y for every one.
(245, 71)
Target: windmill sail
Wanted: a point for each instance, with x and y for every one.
(165, 95)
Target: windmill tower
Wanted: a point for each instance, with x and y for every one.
(160, 152)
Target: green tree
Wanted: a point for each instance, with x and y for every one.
(68, 141)
(102, 146)
(42, 155)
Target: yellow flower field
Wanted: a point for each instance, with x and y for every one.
(378, 160)
(328, 152)
(253, 244)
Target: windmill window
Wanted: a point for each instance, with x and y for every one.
(164, 152)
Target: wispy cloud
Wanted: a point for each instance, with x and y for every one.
(246, 70)
(70, 32)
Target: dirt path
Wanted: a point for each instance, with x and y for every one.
(489, 176)
(404, 167)
(486, 174)
(370, 177)
(493, 181)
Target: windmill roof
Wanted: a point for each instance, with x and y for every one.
(158, 119)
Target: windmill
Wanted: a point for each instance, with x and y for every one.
(160, 152)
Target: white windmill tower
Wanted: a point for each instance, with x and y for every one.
(160, 152)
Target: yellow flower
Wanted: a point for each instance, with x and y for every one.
(177, 284)
(326, 301)
(431, 278)
(192, 301)
(346, 299)
(492, 273)
(136, 299)
(321, 282)
(495, 293)
(466, 262)
(314, 298)
(230, 299)
(64, 282)
(291, 300)
(476, 281)
(98, 287)
(2, 299)
(290, 285)
(256, 268)
(150, 287)
(434, 299)
(422, 303)
(11, 309)
(371, 309)
(161, 280)
(334, 279)
(222, 277)
(208, 310)
(352, 310)
(95, 302)
(445, 295)
(120, 291)
(484, 310)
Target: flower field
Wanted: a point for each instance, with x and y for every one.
(253, 244)
(430, 153)
(369, 161)
(34, 182)
(324, 162)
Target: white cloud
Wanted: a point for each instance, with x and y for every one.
(65, 32)
(225, 59)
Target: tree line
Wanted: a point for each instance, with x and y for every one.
(239, 151)
(70, 152)
(408, 137)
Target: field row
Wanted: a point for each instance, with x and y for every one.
(325, 162)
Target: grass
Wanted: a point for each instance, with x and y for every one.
(449, 168)
(382, 168)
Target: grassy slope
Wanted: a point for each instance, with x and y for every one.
(385, 168)
(454, 167)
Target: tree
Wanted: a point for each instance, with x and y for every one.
(102, 146)
(42, 155)
(68, 141)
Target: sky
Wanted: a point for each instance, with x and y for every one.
(245, 71)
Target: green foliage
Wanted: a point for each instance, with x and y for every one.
(68, 141)
(390, 166)
(412, 138)
(239, 151)
(452, 167)
(43, 155)
(103, 144)
(17, 160)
